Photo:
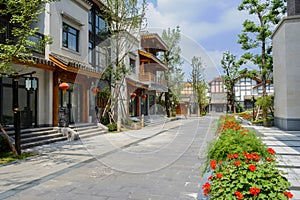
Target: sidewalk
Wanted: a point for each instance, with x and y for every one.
(287, 147)
(59, 158)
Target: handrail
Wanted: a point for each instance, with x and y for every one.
(150, 77)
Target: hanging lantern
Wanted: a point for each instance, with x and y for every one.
(144, 96)
(64, 86)
(133, 95)
(95, 90)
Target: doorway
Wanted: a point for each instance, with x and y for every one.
(71, 100)
(28, 104)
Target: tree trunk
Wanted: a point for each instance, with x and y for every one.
(12, 146)
(167, 102)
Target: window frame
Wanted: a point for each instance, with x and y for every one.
(66, 35)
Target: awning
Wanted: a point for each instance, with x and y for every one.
(153, 59)
(73, 66)
(136, 83)
(158, 87)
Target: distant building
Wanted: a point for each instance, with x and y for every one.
(187, 104)
(218, 95)
(245, 89)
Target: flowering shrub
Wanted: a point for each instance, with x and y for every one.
(248, 115)
(231, 136)
(247, 171)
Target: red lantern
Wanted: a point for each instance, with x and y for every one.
(95, 90)
(133, 95)
(64, 86)
(144, 96)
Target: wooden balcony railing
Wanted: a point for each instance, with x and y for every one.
(149, 77)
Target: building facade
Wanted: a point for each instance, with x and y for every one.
(246, 90)
(76, 56)
(286, 48)
(147, 77)
(218, 95)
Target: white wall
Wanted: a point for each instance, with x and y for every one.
(74, 15)
(286, 56)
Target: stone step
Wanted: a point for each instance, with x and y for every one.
(43, 142)
(40, 137)
(93, 133)
(24, 132)
(88, 130)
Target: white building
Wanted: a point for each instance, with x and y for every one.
(77, 57)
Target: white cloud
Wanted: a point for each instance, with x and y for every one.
(189, 16)
(199, 20)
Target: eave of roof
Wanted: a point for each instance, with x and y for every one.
(157, 37)
(153, 58)
(73, 67)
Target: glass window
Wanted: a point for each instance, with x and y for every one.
(100, 24)
(90, 21)
(90, 52)
(70, 37)
(132, 65)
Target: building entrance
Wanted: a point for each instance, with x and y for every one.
(28, 101)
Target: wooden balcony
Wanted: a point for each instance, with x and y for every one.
(149, 77)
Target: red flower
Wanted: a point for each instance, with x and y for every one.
(251, 156)
(288, 194)
(271, 151)
(206, 188)
(238, 195)
(270, 159)
(209, 178)
(206, 185)
(237, 163)
(232, 156)
(254, 191)
(213, 164)
(205, 191)
(252, 168)
(219, 175)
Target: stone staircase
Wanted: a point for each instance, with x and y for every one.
(40, 136)
(88, 130)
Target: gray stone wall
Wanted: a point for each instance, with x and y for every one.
(293, 7)
(286, 57)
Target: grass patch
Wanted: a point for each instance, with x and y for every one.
(8, 157)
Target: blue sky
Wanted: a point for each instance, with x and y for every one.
(212, 25)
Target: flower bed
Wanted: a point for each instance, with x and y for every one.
(243, 167)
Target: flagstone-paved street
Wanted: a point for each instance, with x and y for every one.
(159, 162)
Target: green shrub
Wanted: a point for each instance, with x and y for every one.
(4, 146)
(248, 179)
(112, 127)
(235, 142)
(243, 167)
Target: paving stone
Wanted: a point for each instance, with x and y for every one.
(94, 168)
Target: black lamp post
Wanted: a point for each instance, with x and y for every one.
(17, 118)
(253, 105)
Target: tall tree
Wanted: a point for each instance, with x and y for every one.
(17, 19)
(231, 72)
(173, 61)
(199, 84)
(17, 30)
(257, 35)
(125, 20)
